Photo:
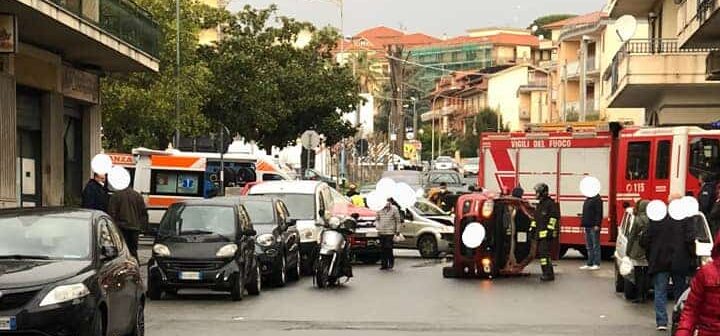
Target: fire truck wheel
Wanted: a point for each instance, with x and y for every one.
(607, 253)
(619, 281)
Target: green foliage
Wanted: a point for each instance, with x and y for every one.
(269, 90)
(139, 108)
(546, 20)
(485, 121)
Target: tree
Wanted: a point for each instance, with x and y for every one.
(364, 68)
(546, 20)
(268, 89)
(139, 108)
(485, 121)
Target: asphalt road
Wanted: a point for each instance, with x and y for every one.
(414, 299)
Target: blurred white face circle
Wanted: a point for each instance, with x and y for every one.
(677, 210)
(386, 187)
(119, 178)
(375, 201)
(657, 210)
(101, 164)
(590, 186)
(474, 235)
(691, 206)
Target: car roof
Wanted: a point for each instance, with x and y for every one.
(219, 201)
(286, 187)
(50, 211)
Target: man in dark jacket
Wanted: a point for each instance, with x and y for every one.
(669, 244)
(592, 217)
(543, 229)
(707, 195)
(95, 195)
(128, 210)
(702, 308)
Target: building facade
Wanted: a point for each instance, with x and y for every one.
(50, 103)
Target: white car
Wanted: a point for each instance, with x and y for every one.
(445, 163)
(471, 166)
(428, 229)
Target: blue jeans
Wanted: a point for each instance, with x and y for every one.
(661, 283)
(592, 243)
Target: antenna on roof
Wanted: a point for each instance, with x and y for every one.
(625, 27)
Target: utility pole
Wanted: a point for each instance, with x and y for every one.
(177, 74)
(397, 73)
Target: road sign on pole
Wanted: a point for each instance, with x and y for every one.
(310, 139)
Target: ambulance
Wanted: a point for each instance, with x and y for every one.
(632, 163)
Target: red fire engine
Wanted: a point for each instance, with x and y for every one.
(632, 163)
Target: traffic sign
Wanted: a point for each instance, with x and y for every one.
(310, 139)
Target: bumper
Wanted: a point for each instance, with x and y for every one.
(364, 246)
(57, 320)
(270, 261)
(446, 243)
(169, 276)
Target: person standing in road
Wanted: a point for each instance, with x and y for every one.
(702, 308)
(592, 217)
(388, 222)
(669, 244)
(95, 195)
(543, 229)
(128, 210)
(636, 252)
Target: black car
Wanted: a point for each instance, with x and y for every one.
(67, 272)
(207, 244)
(277, 245)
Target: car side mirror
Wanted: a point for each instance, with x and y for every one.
(321, 213)
(109, 252)
(250, 232)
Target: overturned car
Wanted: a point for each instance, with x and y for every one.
(492, 236)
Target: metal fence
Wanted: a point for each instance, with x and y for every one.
(122, 18)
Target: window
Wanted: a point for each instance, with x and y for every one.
(176, 183)
(627, 224)
(114, 234)
(260, 212)
(106, 237)
(662, 160)
(54, 236)
(181, 219)
(281, 214)
(245, 223)
(638, 161)
(705, 156)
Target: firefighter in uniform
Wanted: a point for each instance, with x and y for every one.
(544, 227)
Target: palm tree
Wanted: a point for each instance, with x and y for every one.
(365, 70)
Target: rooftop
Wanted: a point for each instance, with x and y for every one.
(585, 19)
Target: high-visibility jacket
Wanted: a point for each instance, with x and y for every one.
(547, 219)
(358, 201)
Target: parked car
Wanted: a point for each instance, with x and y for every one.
(311, 204)
(626, 284)
(445, 163)
(67, 272)
(314, 175)
(454, 181)
(207, 244)
(277, 242)
(471, 166)
(426, 229)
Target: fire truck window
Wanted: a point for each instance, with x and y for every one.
(662, 161)
(638, 161)
(705, 157)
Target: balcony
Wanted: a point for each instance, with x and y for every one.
(637, 8)
(656, 72)
(573, 111)
(111, 35)
(534, 85)
(572, 69)
(699, 24)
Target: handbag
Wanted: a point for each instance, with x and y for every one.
(398, 238)
(626, 266)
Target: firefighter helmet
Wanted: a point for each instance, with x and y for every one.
(542, 190)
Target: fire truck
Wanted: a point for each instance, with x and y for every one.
(632, 163)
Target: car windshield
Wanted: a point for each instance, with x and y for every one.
(444, 177)
(472, 161)
(261, 212)
(444, 159)
(428, 209)
(300, 206)
(187, 220)
(45, 237)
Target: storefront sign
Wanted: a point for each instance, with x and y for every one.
(8, 34)
(81, 85)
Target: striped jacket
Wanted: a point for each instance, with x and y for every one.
(388, 220)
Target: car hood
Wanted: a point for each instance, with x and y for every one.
(28, 273)
(198, 250)
(446, 221)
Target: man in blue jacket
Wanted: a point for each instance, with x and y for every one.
(592, 217)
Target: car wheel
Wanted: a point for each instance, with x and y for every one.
(321, 273)
(563, 251)
(280, 278)
(97, 325)
(619, 281)
(427, 245)
(254, 286)
(238, 289)
(296, 271)
(630, 290)
(154, 291)
(139, 328)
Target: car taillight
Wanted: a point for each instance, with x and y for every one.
(487, 208)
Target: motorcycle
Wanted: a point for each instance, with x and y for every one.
(333, 260)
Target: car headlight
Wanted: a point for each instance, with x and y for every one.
(487, 208)
(65, 293)
(161, 250)
(227, 251)
(265, 240)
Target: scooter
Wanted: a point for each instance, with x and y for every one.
(333, 261)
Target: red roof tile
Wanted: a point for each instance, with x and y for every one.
(502, 38)
(589, 18)
(379, 32)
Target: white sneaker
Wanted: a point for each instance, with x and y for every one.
(585, 267)
(594, 268)
(662, 328)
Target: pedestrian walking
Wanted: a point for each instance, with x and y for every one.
(669, 247)
(701, 314)
(636, 252)
(352, 191)
(388, 222)
(592, 216)
(95, 195)
(543, 228)
(127, 208)
(708, 194)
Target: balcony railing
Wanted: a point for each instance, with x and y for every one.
(704, 8)
(122, 18)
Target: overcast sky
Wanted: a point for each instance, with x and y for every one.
(435, 17)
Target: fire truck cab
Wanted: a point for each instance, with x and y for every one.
(632, 163)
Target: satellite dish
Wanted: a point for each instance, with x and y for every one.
(625, 27)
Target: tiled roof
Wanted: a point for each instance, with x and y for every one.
(380, 31)
(589, 18)
(502, 38)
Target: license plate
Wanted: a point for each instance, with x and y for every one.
(8, 323)
(190, 276)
